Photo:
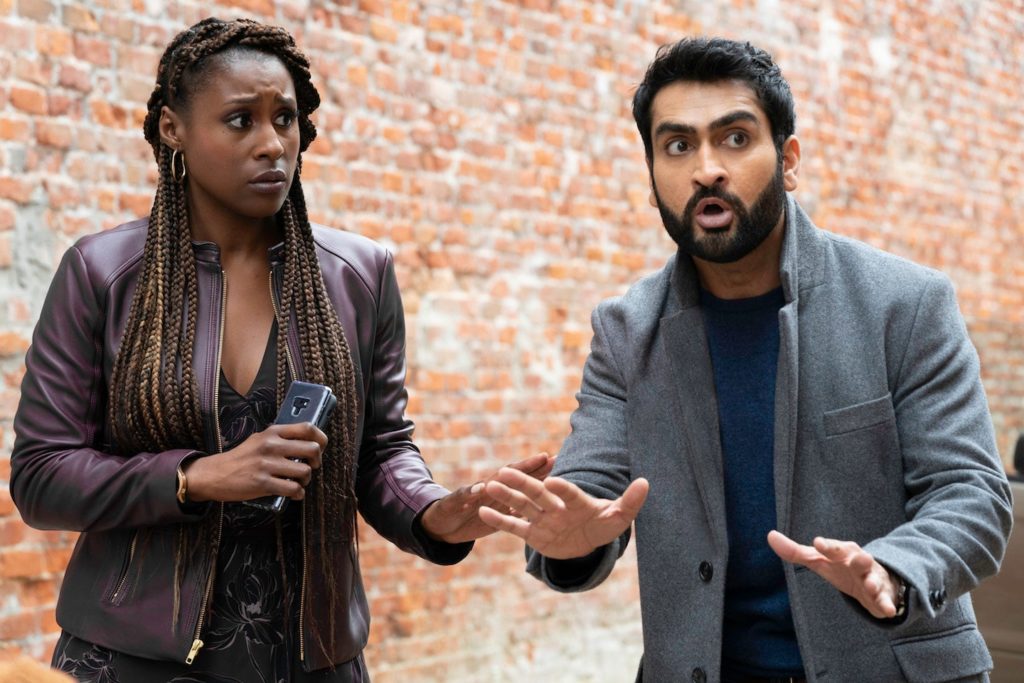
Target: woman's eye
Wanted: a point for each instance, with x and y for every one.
(285, 119)
(737, 139)
(239, 121)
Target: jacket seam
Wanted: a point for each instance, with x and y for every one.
(90, 430)
(341, 257)
(910, 334)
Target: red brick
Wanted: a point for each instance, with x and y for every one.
(21, 563)
(80, 18)
(93, 50)
(53, 134)
(14, 128)
(11, 344)
(137, 204)
(264, 7)
(12, 531)
(7, 217)
(29, 99)
(54, 41)
(75, 76)
(37, 10)
(17, 38)
(16, 189)
(17, 626)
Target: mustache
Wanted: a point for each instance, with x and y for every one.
(713, 192)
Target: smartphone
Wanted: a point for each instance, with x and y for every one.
(304, 402)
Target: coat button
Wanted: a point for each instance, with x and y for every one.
(698, 676)
(706, 571)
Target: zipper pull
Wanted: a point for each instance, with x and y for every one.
(196, 644)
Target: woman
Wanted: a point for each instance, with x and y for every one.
(163, 348)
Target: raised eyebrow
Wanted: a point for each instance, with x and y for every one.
(733, 117)
(674, 128)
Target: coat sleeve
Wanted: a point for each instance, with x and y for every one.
(61, 477)
(958, 508)
(595, 457)
(393, 483)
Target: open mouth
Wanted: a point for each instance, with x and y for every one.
(713, 214)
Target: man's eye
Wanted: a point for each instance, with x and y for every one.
(677, 147)
(737, 139)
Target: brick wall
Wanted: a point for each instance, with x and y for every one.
(490, 145)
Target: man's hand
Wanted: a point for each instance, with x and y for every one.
(556, 517)
(845, 565)
(454, 518)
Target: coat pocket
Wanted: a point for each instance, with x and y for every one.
(860, 416)
(944, 656)
(864, 462)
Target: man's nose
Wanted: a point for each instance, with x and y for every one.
(709, 170)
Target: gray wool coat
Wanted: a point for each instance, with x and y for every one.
(882, 436)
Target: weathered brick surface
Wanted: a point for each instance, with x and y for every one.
(490, 145)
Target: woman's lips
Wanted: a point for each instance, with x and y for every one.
(269, 182)
(713, 220)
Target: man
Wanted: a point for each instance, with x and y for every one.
(779, 388)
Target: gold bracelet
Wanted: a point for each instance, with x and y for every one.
(182, 485)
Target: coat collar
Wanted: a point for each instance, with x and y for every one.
(801, 266)
(684, 349)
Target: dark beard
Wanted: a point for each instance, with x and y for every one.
(752, 227)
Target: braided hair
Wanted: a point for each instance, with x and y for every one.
(154, 394)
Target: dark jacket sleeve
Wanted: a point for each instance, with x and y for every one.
(394, 485)
(60, 476)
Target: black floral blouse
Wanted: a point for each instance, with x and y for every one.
(248, 639)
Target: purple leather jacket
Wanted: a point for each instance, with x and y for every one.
(64, 475)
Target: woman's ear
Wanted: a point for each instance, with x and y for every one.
(172, 128)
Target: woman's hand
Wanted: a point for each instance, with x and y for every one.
(279, 461)
(455, 518)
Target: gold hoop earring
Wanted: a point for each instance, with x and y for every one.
(174, 166)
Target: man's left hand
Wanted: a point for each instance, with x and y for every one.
(455, 518)
(845, 565)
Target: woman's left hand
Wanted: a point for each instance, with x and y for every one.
(454, 518)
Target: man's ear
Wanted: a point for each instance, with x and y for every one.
(790, 163)
(172, 128)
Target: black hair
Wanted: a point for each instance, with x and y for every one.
(709, 60)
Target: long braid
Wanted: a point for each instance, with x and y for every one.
(154, 393)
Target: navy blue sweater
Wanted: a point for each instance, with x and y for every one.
(743, 337)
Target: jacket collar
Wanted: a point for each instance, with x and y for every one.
(209, 252)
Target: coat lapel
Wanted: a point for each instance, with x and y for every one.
(801, 268)
(687, 362)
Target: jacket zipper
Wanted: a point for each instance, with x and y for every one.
(302, 589)
(197, 643)
(127, 566)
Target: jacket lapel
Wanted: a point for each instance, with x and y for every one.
(801, 268)
(687, 362)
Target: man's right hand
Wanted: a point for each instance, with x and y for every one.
(555, 517)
